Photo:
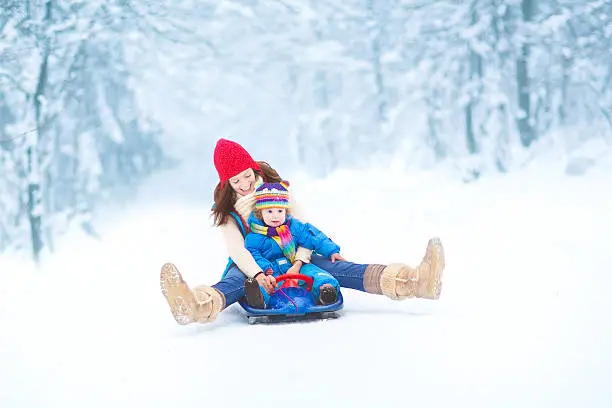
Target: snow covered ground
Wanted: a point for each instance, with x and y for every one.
(525, 318)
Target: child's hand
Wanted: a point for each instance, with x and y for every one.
(295, 268)
(267, 281)
(336, 257)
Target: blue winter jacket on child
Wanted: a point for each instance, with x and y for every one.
(268, 254)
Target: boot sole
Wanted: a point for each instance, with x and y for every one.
(178, 295)
(328, 295)
(436, 251)
(253, 295)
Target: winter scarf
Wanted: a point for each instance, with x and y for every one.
(282, 236)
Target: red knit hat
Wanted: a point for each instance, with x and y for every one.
(231, 159)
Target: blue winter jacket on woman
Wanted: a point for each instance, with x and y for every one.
(268, 254)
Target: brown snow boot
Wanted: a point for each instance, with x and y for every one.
(399, 281)
(201, 305)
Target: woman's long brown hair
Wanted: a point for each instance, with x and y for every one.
(225, 197)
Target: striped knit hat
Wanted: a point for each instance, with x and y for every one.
(272, 195)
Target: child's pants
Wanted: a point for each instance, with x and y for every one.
(319, 276)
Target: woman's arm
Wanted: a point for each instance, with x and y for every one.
(234, 243)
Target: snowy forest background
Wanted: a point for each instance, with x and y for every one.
(97, 95)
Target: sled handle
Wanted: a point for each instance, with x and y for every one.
(309, 281)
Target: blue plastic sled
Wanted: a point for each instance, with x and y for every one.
(290, 303)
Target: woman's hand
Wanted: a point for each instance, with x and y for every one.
(267, 281)
(295, 268)
(336, 257)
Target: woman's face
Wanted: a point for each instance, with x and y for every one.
(243, 183)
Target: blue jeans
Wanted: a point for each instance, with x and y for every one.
(349, 275)
(232, 285)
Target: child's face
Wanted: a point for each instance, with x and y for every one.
(273, 217)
